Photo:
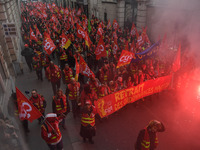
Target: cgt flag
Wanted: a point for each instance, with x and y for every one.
(65, 41)
(100, 50)
(84, 69)
(32, 35)
(49, 46)
(125, 58)
(27, 110)
(83, 34)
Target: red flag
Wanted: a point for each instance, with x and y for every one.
(66, 11)
(27, 110)
(38, 32)
(134, 31)
(49, 46)
(140, 41)
(65, 41)
(132, 49)
(77, 68)
(126, 46)
(115, 48)
(177, 62)
(146, 38)
(100, 30)
(83, 34)
(70, 18)
(55, 28)
(78, 12)
(54, 19)
(125, 58)
(84, 69)
(115, 35)
(115, 25)
(100, 50)
(109, 24)
(32, 35)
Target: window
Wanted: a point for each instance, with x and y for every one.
(111, 1)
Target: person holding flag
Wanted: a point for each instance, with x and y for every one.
(26, 110)
(39, 102)
(50, 132)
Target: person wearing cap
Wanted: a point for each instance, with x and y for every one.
(147, 138)
(88, 128)
(59, 106)
(28, 53)
(73, 92)
(50, 132)
(53, 74)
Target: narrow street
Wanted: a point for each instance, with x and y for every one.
(119, 131)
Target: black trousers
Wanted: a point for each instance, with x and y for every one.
(39, 74)
(74, 107)
(55, 86)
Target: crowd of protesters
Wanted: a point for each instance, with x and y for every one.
(108, 78)
(40, 18)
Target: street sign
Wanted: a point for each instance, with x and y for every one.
(9, 29)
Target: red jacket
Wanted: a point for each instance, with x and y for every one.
(91, 96)
(53, 74)
(73, 90)
(38, 102)
(146, 141)
(60, 104)
(68, 75)
(88, 119)
(51, 136)
(103, 91)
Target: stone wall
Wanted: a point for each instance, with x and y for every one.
(10, 48)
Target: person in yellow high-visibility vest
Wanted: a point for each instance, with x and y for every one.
(88, 128)
(147, 138)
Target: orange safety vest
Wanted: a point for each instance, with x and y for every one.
(145, 144)
(38, 102)
(63, 56)
(59, 109)
(68, 75)
(53, 74)
(36, 63)
(73, 90)
(88, 119)
(54, 138)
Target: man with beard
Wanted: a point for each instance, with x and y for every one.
(39, 102)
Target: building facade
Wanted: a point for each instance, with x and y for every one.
(10, 49)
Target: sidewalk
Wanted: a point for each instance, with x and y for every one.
(71, 137)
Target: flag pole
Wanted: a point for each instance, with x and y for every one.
(44, 118)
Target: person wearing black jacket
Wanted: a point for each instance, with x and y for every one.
(28, 53)
(147, 138)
